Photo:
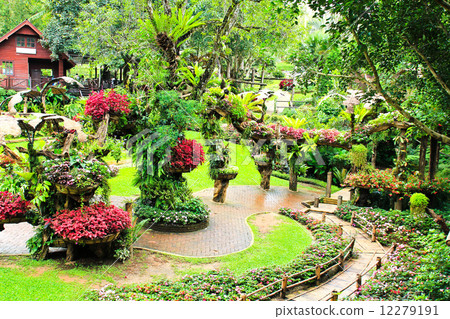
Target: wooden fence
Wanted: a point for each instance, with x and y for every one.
(337, 261)
(358, 282)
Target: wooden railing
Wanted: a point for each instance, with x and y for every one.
(358, 281)
(338, 262)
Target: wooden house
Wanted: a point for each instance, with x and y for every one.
(24, 62)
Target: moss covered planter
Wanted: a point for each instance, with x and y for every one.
(227, 176)
(173, 228)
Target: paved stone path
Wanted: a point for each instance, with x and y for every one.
(367, 251)
(228, 230)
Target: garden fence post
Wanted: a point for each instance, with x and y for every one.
(340, 231)
(374, 230)
(378, 263)
(339, 200)
(394, 246)
(329, 181)
(341, 259)
(334, 295)
(283, 287)
(358, 281)
(316, 202)
(317, 274)
(324, 217)
(352, 220)
(243, 297)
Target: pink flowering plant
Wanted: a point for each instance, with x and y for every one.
(89, 222)
(101, 103)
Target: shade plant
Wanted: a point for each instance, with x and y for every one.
(106, 102)
(186, 154)
(89, 222)
(12, 205)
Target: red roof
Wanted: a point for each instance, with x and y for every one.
(20, 26)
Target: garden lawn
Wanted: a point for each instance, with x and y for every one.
(278, 247)
(19, 285)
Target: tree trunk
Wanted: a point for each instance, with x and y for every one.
(433, 158)
(374, 154)
(439, 220)
(262, 77)
(423, 157)
(220, 190)
(265, 172)
(292, 174)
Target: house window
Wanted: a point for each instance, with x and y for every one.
(31, 42)
(26, 42)
(7, 68)
(21, 42)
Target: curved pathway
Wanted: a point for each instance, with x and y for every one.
(367, 252)
(228, 231)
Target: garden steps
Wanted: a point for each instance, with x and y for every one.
(367, 253)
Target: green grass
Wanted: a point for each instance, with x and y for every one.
(285, 66)
(122, 184)
(278, 247)
(20, 285)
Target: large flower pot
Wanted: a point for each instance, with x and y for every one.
(100, 246)
(226, 176)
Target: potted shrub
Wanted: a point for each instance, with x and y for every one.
(185, 156)
(97, 223)
(262, 160)
(13, 209)
(418, 204)
(77, 177)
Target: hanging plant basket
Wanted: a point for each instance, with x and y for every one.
(77, 193)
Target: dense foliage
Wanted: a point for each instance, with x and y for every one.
(101, 103)
(186, 154)
(12, 206)
(89, 222)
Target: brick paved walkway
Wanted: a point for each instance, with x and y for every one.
(228, 230)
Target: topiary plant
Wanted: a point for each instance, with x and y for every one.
(418, 204)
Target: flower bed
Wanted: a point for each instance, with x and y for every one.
(384, 180)
(12, 206)
(91, 222)
(224, 285)
(410, 274)
(191, 212)
(392, 226)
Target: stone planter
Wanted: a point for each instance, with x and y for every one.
(227, 176)
(172, 228)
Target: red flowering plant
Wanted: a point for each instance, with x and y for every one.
(384, 180)
(101, 103)
(89, 222)
(286, 85)
(12, 205)
(187, 154)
